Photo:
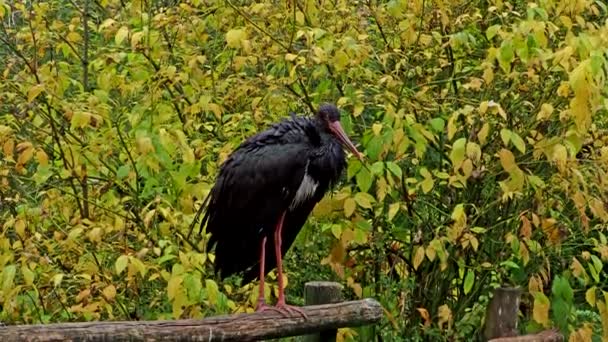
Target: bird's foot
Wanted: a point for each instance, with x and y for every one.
(282, 308)
(290, 310)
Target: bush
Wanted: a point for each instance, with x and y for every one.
(483, 123)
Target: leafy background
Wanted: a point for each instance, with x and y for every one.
(483, 123)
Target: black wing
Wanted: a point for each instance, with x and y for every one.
(255, 186)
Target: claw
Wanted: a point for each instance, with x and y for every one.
(283, 309)
(290, 310)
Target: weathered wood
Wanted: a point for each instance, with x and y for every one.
(544, 336)
(322, 292)
(242, 327)
(501, 315)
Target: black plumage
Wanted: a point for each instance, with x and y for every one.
(284, 170)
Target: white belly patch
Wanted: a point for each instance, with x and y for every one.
(305, 191)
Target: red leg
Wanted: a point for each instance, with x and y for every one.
(261, 301)
(281, 305)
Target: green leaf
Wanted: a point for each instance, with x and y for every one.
(8, 276)
(364, 200)
(492, 31)
(374, 147)
(438, 124)
(469, 280)
(364, 180)
(506, 55)
(123, 171)
(458, 152)
(561, 288)
(394, 169)
(518, 142)
(353, 167)
(377, 168)
(121, 263)
(505, 135)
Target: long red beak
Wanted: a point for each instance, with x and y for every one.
(336, 128)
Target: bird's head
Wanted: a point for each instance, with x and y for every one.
(329, 115)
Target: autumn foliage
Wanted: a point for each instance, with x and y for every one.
(484, 125)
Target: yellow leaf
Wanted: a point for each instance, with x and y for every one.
(488, 75)
(340, 60)
(393, 208)
(428, 183)
(507, 160)
(8, 148)
(121, 35)
(376, 128)
(590, 296)
(212, 291)
(148, 217)
(73, 37)
(430, 252)
(34, 91)
(349, 207)
(57, 278)
(80, 119)
(300, 19)
(109, 292)
(25, 156)
(138, 266)
(418, 257)
(290, 57)
(467, 168)
(364, 200)
(535, 284)
(28, 275)
(42, 158)
(540, 312)
(445, 316)
(136, 38)
(583, 334)
(546, 109)
(144, 145)
(95, 234)
(235, 38)
(121, 263)
(483, 133)
(20, 228)
(452, 125)
(559, 154)
(174, 286)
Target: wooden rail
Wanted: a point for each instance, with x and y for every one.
(242, 327)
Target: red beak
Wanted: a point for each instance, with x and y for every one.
(336, 128)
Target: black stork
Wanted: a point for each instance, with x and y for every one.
(267, 187)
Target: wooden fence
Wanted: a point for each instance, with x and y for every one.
(324, 307)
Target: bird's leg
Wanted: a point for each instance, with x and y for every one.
(281, 305)
(261, 301)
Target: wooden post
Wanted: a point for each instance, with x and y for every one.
(501, 315)
(322, 292)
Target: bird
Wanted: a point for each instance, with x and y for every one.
(266, 189)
